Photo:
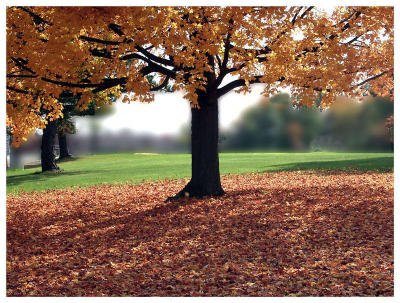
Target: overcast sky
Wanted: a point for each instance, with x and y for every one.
(168, 113)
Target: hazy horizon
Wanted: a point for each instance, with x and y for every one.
(168, 113)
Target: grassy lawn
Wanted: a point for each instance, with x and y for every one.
(137, 168)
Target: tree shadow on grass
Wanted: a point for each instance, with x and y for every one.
(67, 159)
(39, 176)
(378, 164)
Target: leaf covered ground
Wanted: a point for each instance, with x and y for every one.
(272, 234)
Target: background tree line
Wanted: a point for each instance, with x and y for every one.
(279, 124)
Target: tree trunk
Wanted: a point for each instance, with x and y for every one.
(47, 156)
(62, 142)
(205, 179)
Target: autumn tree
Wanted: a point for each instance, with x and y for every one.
(204, 51)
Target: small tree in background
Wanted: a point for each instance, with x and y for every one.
(64, 125)
(347, 125)
(277, 124)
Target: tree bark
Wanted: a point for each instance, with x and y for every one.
(62, 142)
(205, 179)
(47, 156)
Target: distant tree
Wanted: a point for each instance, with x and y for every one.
(347, 124)
(64, 125)
(390, 129)
(275, 124)
(359, 126)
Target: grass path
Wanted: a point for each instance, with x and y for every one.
(137, 168)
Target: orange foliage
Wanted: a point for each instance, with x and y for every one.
(273, 234)
(85, 49)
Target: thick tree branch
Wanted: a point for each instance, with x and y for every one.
(211, 61)
(21, 76)
(155, 58)
(147, 56)
(370, 79)
(152, 67)
(36, 18)
(106, 83)
(103, 53)
(116, 29)
(235, 84)
(17, 90)
(22, 64)
(230, 86)
(227, 47)
(134, 56)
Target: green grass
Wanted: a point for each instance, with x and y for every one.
(137, 168)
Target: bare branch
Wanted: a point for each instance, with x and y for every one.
(36, 18)
(20, 76)
(106, 83)
(22, 64)
(17, 90)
